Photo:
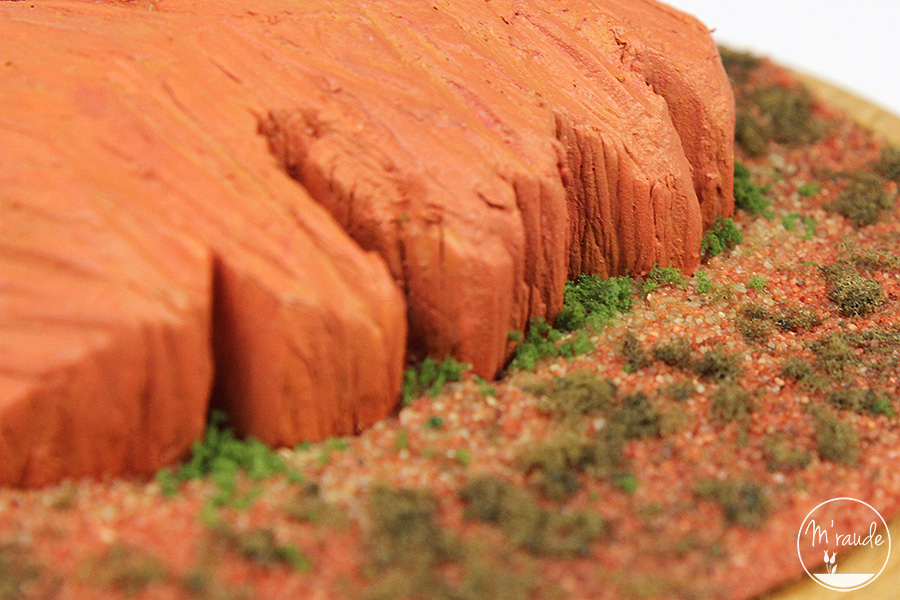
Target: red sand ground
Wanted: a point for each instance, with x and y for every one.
(663, 543)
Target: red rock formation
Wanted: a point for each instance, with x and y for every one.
(471, 156)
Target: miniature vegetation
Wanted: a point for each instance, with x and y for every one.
(743, 502)
(836, 440)
(784, 455)
(221, 457)
(17, 572)
(854, 294)
(662, 276)
(862, 200)
(756, 322)
(748, 196)
(517, 513)
(723, 235)
(430, 376)
(790, 220)
(888, 164)
(410, 551)
(589, 302)
(125, 568)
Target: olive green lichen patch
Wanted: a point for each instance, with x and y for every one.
(633, 352)
(526, 524)
(743, 502)
(718, 365)
(863, 200)
(575, 395)
(836, 440)
(784, 455)
(676, 352)
(730, 403)
(888, 164)
(854, 294)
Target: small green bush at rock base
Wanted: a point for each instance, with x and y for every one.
(592, 301)
(430, 376)
(748, 196)
(660, 276)
(722, 236)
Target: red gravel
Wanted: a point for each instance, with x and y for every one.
(664, 541)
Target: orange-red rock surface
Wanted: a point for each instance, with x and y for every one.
(234, 198)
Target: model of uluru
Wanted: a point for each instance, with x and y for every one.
(270, 206)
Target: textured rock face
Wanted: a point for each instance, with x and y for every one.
(221, 199)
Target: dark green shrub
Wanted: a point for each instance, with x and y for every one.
(836, 440)
(742, 502)
(722, 236)
(717, 365)
(863, 200)
(853, 294)
(748, 196)
(730, 403)
(677, 352)
(430, 376)
(888, 165)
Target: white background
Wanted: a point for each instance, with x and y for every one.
(855, 45)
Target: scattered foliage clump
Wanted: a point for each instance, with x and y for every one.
(783, 455)
(723, 235)
(125, 568)
(261, 546)
(638, 417)
(730, 403)
(836, 440)
(570, 449)
(633, 353)
(580, 393)
(717, 365)
(526, 524)
(789, 221)
(748, 196)
(796, 368)
(221, 456)
(680, 391)
(863, 200)
(544, 341)
(430, 376)
(859, 399)
(754, 323)
(737, 64)
(592, 301)
(875, 260)
(17, 572)
(810, 189)
(834, 354)
(660, 276)
(757, 283)
(742, 502)
(677, 352)
(704, 284)
(888, 165)
(854, 294)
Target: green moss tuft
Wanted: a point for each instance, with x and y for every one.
(430, 376)
(723, 235)
(748, 196)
